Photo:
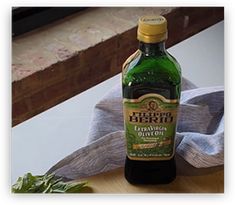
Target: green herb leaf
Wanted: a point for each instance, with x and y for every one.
(45, 184)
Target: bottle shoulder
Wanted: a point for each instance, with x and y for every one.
(174, 61)
(140, 68)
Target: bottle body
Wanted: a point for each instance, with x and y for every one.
(151, 84)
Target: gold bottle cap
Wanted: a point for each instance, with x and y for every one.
(152, 29)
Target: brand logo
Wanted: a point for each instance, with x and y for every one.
(151, 117)
(151, 112)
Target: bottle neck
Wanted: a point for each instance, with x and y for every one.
(152, 49)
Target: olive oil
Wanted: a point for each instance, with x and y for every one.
(151, 82)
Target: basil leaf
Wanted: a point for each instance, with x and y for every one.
(45, 184)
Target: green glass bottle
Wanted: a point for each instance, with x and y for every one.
(151, 81)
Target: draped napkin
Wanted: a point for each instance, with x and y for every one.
(199, 137)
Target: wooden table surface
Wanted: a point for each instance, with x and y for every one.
(188, 180)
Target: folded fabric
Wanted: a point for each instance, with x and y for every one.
(199, 138)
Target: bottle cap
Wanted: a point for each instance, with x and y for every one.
(152, 29)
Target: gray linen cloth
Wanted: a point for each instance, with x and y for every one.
(199, 137)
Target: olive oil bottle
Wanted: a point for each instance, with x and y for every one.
(151, 83)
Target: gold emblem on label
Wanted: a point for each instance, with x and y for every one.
(152, 105)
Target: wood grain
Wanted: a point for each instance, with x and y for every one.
(188, 180)
(114, 182)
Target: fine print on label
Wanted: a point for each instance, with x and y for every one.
(150, 123)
